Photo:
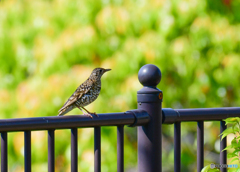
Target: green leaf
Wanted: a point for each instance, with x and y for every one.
(229, 121)
(230, 155)
(235, 126)
(226, 132)
(232, 120)
(214, 170)
(236, 129)
(209, 169)
(236, 151)
(231, 169)
(206, 168)
(234, 159)
(234, 143)
(228, 147)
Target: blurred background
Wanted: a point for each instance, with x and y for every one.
(49, 47)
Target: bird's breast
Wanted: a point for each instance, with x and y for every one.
(89, 97)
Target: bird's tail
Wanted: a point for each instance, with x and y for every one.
(65, 110)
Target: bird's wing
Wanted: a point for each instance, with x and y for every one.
(80, 91)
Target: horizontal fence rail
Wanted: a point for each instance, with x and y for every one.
(133, 118)
(171, 116)
(139, 117)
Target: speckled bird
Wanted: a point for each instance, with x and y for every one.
(85, 94)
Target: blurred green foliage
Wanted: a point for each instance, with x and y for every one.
(49, 47)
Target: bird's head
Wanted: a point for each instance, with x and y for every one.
(98, 72)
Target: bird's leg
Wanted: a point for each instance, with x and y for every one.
(88, 114)
(94, 113)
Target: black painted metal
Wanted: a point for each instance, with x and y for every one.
(223, 144)
(51, 151)
(139, 117)
(149, 75)
(202, 114)
(200, 145)
(120, 148)
(74, 121)
(74, 150)
(97, 149)
(27, 151)
(4, 157)
(177, 147)
(150, 100)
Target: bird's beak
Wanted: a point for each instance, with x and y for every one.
(107, 70)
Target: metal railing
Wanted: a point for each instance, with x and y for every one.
(132, 118)
(149, 117)
(176, 116)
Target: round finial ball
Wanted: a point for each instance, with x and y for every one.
(149, 75)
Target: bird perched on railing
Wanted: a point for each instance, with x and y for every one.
(85, 94)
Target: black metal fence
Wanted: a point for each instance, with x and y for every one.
(149, 117)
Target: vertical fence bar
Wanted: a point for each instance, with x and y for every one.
(27, 151)
(223, 144)
(120, 148)
(51, 151)
(97, 149)
(200, 145)
(150, 136)
(74, 150)
(177, 147)
(4, 158)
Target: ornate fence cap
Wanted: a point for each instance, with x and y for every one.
(149, 75)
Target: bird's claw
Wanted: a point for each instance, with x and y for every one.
(88, 115)
(94, 113)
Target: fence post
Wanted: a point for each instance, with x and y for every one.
(150, 136)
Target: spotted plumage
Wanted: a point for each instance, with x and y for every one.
(85, 94)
